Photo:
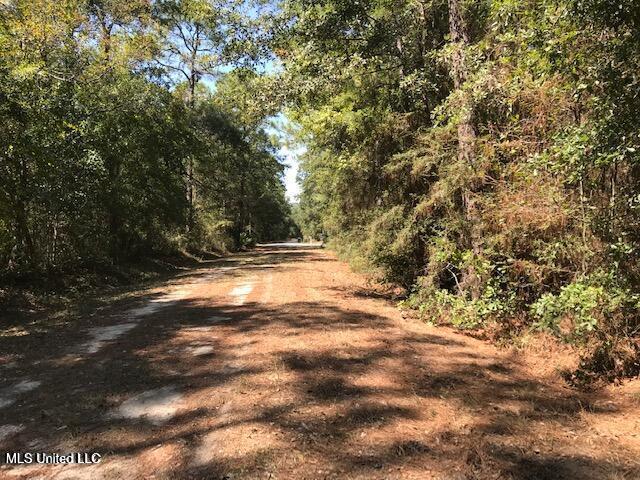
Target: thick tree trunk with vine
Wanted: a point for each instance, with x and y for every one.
(459, 33)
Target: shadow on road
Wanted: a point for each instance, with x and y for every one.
(308, 389)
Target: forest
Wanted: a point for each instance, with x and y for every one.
(113, 145)
(483, 156)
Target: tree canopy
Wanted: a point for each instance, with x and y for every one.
(113, 142)
(482, 154)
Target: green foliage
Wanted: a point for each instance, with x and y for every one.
(495, 222)
(106, 153)
(489, 165)
(577, 301)
(390, 242)
(583, 307)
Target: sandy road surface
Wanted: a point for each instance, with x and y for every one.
(277, 364)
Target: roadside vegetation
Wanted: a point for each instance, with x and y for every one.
(483, 155)
(124, 135)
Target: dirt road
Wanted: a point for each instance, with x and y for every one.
(277, 364)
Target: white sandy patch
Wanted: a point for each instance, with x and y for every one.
(102, 335)
(7, 431)
(10, 394)
(291, 245)
(177, 294)
(211, 444)
(201, 350)
(207, 450)
(151, 307)
(155, 406)
(165, 300)
(241, 292)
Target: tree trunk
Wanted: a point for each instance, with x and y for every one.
(23, 251)
(114, 212)
(190, 166)
(242, 206)
(460, 39)
(466, 140)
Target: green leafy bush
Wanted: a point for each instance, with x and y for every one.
(578, 303)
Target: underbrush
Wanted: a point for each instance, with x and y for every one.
(27, 292)
(597, 315)
(599, 321)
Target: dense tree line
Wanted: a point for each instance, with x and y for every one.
(112, 144)
(483, 154)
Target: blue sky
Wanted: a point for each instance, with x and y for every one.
(280, 126)
(289, 152)
(292, 162)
